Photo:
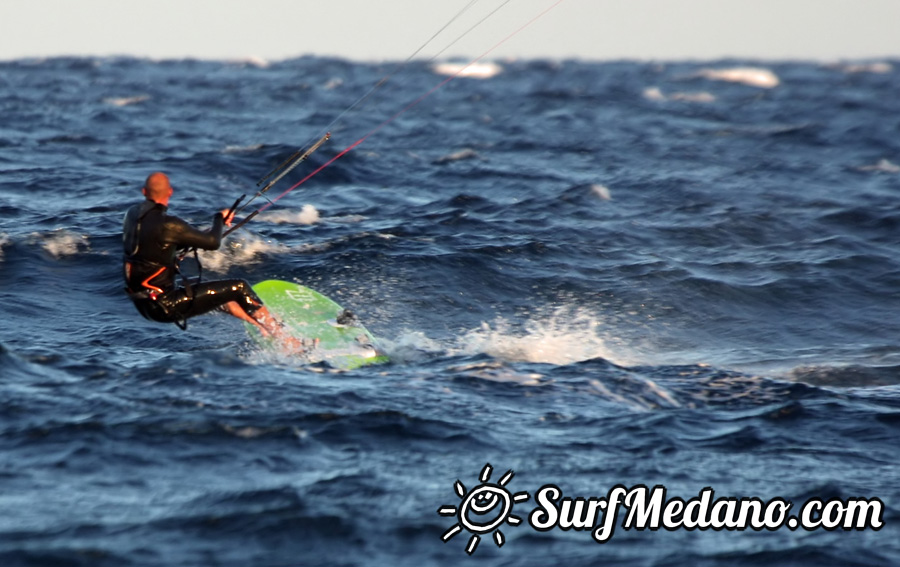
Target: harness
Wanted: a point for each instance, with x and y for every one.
(149, 291)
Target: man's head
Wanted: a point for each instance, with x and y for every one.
(157, 188)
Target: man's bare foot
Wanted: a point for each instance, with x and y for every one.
(267, 320)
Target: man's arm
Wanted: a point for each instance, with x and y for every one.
(184, 235)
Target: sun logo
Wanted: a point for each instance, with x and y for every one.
(483, 509)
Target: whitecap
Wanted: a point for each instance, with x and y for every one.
(126, 100)
(753, 76)
(239, 251)
(564, 337)
(469, 70)
(61, 242)
(601, 191)
(306, 216)
(883, 166)
(654, 93)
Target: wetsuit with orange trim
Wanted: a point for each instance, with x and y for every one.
(152, 239)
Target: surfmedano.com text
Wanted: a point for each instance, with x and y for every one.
(644, 508)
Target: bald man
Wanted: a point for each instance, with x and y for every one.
(152, 239)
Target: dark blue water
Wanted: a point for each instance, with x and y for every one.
(590, 273)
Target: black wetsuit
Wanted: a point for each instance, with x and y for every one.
(152, 240)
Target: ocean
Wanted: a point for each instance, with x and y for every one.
(591, 274)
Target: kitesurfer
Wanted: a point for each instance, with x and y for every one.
(152, 241)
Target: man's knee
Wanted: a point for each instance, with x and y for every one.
(251, 302)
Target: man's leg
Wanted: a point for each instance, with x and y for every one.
(236, 298)
(234, 309)
(261, 317)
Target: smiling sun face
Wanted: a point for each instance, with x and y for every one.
(483, 510)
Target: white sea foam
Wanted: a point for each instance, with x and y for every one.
(564, 337)
(601, 191)
(654, 93)
(753, 76)
(484, 70)
(306, 216)
(127, 100)
(883, 166)
(61, 242)
(239, 251)
(249, 247)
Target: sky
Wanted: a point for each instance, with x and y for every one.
(371, 30)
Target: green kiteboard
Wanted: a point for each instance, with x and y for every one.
(308, 315)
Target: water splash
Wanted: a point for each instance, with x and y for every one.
(240, 251)
(308, 215)
(61, 242)
(564, 337)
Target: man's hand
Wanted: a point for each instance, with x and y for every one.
(228, 216)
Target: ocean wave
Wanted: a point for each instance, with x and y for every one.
(5, 241)
(563, 337)
(126, 101)
(752, 76)
(241, 251)
(655, 93)
(477, 70)
(883, 166)
(725, 320)
(251, 61)
(877, 67)
(61, 242)
(847, 376)
(308, 215)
